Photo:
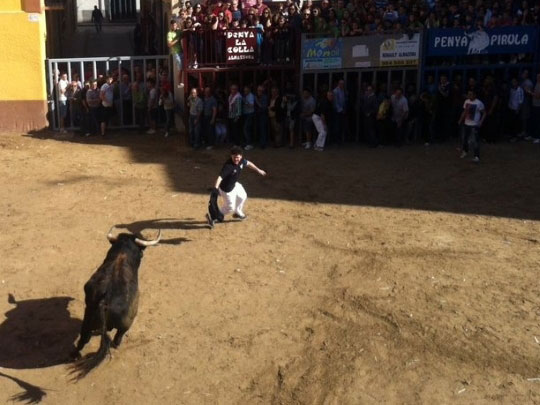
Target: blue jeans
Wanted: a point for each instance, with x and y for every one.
(178, 59)
(471, 132)
(248, 127)
(194, 131)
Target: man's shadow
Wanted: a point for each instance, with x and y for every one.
(37, 333)
(138, 227)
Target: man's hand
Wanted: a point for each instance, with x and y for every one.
(262, 172)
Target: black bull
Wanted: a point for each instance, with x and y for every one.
(111, 297)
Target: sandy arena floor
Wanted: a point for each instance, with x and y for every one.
(396, 276)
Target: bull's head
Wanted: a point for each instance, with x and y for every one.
(140, 242)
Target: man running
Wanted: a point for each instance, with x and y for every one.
(232, 192)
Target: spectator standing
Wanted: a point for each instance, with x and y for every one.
(384, 119)
(369, 114)
(248, 113)
(275, 114)
(85, 110)
(525, 113)
(106, 94)
(261, 115)
(196, 106)
(308, 107)
(210, 107)
(127, 106)
(400, 112)
(62, 89)
(97, 19)
(515, 103)
(472, 117)
(93, 101)
(152, 105)
(166, 100)
(139, 101)
(320, 117)
(290, 104)
(444, 110)
(235, 113)
(536, 111)
(340, 109)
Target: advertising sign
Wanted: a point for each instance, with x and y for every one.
(381, 50)
(456, 42)
(322, 53)
(241, 46)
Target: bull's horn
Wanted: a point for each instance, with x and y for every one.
(110, 235)
(142, 242)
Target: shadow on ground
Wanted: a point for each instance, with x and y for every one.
(31, 394)
(504, 184)
(37, 333)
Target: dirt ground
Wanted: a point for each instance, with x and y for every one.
(397, 276)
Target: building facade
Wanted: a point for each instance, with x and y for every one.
(23, 99)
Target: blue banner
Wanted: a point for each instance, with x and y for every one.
(457, 42)
(322, 53)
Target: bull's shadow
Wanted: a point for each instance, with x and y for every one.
(37, 333)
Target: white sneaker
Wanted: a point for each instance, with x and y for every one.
(150, 132)
(537, 140)
(87, 134)
(195, 65)
(209, 147)
(307, 145)
(476, 159)
(463, 154)
(528, 138)
(166, 134)
(248, 147)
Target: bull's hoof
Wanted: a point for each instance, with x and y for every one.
(75, 354)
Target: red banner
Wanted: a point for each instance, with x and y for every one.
(241, 46)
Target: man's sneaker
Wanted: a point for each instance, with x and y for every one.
(240, 217)
(528, 138)
(87, 134)
(209, 147)
(463, 154)
(537, 140)
(248, 147)
(166, 134)
(318, 149)
(308, 145)
(476, 159)
(210, 221)
(150, 132)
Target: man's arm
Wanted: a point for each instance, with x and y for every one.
(218, 182)
(253, 167)
(214, 113)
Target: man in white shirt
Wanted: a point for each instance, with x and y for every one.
(472, 117)
(62, 101)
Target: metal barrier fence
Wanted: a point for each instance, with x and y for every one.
(137, 68)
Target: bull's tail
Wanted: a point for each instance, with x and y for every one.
(82, 367)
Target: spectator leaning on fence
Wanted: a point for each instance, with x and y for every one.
(174, 42)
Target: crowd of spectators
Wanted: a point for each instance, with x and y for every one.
(122, 98)
(355, 17)
(264, 115)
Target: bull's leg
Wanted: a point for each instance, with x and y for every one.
(126, 321)
(118, 337)
(86, 332)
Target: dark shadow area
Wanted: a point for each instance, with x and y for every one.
(37, 333)
(504, 184)
(138, 227)
(32, 394)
